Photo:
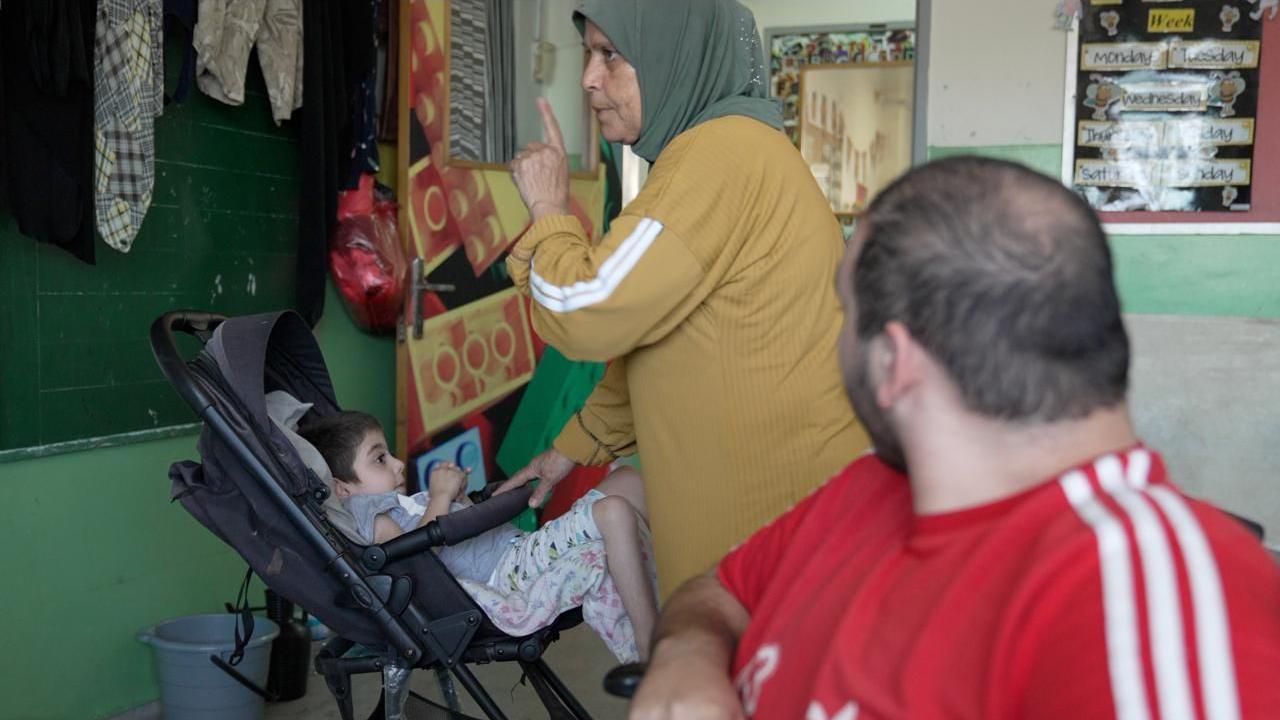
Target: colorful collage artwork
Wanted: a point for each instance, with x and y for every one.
(1167, 99)
(790, 52)
(470, 357)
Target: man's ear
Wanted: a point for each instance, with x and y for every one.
(896, 358)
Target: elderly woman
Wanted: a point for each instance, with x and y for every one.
(711, 296)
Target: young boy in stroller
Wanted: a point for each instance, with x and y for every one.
(268, 493)
(522, 580)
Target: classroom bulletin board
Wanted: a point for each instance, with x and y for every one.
(1173, 115)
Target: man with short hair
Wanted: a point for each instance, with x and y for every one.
(1012, 550)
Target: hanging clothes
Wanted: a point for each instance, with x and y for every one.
(180, 16)
(46, 133)
(129, 75)
(338, 45)
(389, 59)
(227, 30)
(364, 111)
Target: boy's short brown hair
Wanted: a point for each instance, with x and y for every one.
(338, 437)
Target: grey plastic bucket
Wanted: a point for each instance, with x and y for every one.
(191, 686)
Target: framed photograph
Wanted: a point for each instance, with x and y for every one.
(1171, 117)
(855, 125)
(791, 49)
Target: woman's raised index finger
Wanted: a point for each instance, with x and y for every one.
(550, 126)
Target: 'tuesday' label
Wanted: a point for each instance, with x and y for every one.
(1214, 54)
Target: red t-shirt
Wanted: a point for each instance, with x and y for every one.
(1101, 593)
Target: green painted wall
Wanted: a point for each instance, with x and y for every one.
(94, 551)
(1231, 275)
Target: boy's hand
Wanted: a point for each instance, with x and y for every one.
(447, 481)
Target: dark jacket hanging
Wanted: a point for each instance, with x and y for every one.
(46, 132)
(323, 101)
(337, 41)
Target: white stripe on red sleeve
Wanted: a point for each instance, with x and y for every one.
(1120, 609)
(1213, 634)
(1144, 505)
(1160, 583)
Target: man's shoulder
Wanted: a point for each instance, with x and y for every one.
(867, 484)
(1120, 516)
(1127, 550)
(1132, 492)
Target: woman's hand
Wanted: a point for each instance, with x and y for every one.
(550, 467)
(541, 170)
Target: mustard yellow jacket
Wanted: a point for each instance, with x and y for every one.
(713, 298)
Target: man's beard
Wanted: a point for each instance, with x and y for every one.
(862, 395)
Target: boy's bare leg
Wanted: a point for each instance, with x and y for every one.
(626, 482)
(618, 523)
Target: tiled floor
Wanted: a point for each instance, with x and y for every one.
(579, 658)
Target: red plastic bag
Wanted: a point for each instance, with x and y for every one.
(367, 260)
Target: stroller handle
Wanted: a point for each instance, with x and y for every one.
(174, 366)
(450, 529)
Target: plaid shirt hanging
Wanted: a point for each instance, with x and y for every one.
(129, 73)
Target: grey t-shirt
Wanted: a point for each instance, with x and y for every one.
(473, 559)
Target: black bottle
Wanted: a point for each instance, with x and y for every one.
(290, 652)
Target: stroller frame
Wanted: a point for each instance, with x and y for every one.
(412, 637)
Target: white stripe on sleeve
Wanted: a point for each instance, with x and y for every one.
(1160, 581)
(1213, 635)
(1120, 610)
(584, 293)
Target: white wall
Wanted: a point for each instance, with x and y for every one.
(996, 73)
(1204, 393)
(796, 13)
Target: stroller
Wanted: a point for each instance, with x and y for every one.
(256, 492)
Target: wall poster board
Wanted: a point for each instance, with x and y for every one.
(1172, 112)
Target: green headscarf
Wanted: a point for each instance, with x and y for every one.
(696, 60)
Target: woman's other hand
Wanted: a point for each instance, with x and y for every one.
(550, 467)
(541, 170)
